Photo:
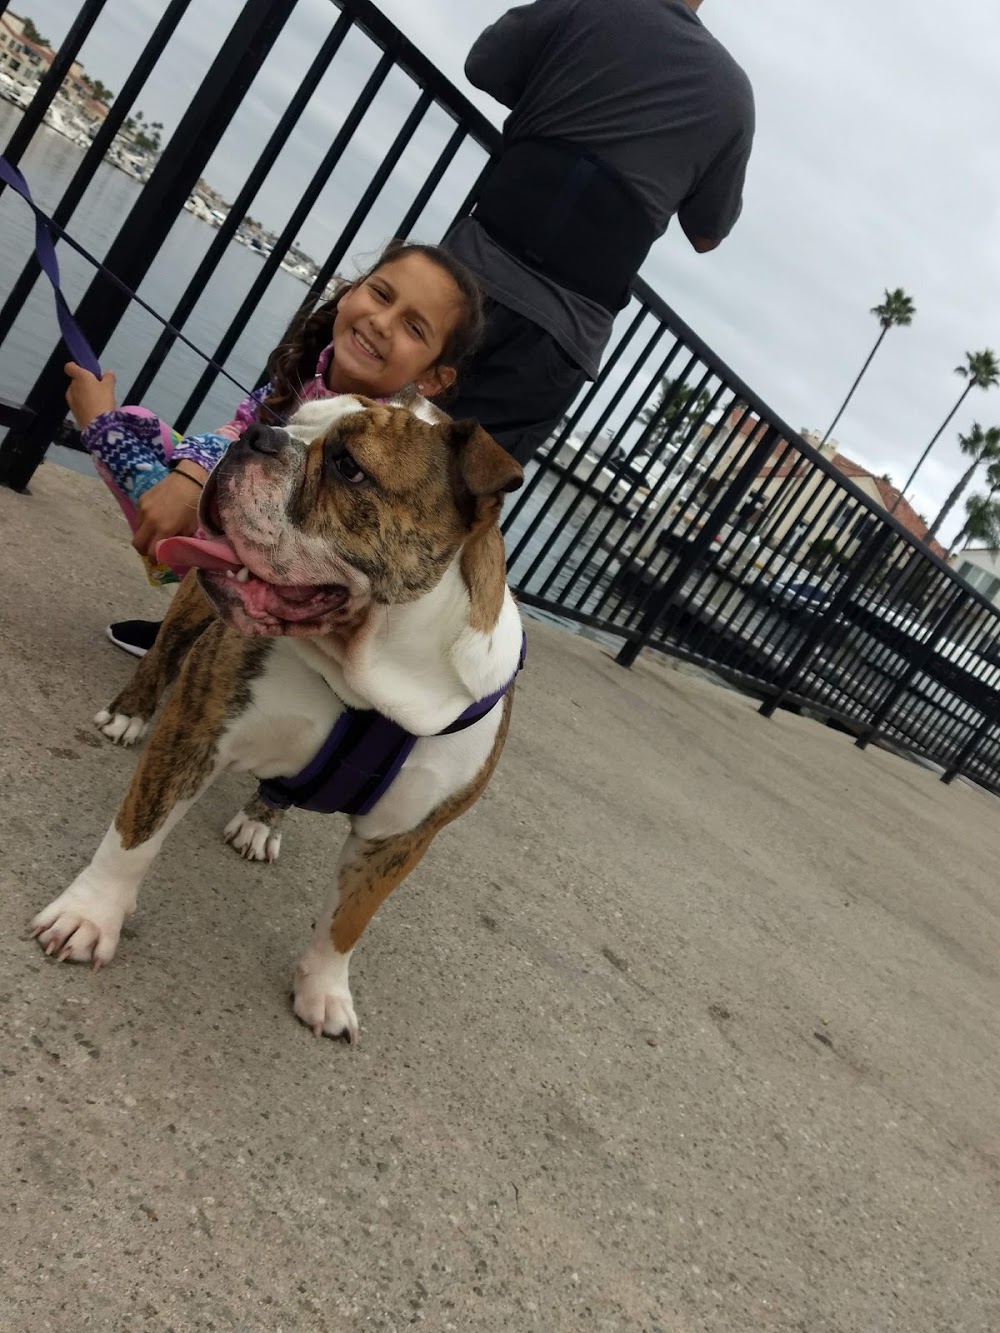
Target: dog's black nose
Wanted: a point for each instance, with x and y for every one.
(264, 439)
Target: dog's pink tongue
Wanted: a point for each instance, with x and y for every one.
(198, 553)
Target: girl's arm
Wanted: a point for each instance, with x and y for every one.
(139, 442)
(206, 449)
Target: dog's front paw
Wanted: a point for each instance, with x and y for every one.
(255, 839)
(119, 727)
(83, 924)
(322, 997)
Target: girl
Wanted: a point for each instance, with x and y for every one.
(413, 318)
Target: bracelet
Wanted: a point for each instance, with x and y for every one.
(178, 473)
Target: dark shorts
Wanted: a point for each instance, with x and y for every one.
(519, 384)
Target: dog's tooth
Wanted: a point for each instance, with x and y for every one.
(243, 575)
(230, 574)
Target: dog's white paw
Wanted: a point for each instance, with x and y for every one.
(119, 727)
(252, 838)
(83, 924)
(323, 998)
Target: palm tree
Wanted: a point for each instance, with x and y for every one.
(897, 308)
(981, 446)
(982, 519)
(100, 92)
(684, 408)
(982, 370)
(982, 513)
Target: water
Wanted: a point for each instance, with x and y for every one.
(48, 166)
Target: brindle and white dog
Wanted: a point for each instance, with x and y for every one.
(352, 560)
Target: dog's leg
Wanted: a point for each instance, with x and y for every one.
(256, 831)
(126, 718)
(83, 924)
(367, 873)
(184, 755)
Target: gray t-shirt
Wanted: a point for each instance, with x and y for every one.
(642, 85)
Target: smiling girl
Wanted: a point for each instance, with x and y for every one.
(413, 318)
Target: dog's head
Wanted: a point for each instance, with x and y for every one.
(353, 504)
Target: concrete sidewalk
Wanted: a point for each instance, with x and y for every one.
(691, 1024)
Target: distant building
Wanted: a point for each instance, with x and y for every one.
(979, 566)
(801, 510)
(20, 58)
(25, 62)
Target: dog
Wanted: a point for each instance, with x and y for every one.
(349, 565)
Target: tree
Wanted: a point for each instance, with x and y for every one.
(982, 513)
(896, 309)
(145, 134)
(147, 143)
(684, 407)
(982, 371)
(981, 446)
(100, 92)
(32, 33)
(982, 521)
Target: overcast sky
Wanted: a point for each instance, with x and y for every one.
(876, 164)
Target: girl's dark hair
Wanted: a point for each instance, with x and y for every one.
(293, 361)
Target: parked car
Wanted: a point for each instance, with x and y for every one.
(803, 594)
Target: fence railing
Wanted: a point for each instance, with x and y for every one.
(672, 510)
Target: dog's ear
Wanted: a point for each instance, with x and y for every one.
(485, 468)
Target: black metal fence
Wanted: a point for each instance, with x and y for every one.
(672, 510)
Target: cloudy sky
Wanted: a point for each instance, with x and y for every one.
(876, 165)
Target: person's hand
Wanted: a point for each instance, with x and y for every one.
(169, 509)
(87, 396)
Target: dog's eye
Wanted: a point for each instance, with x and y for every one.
(349, 470)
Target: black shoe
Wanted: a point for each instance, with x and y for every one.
(134, 636)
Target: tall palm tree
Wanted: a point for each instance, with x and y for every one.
(897, 308)
(980, 513)
(982, 519)
(982, 370)
(980, 446)
(685, 407)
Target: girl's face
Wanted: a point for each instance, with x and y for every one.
(391, 328)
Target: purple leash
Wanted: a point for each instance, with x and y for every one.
(73, 336)
(46, 229)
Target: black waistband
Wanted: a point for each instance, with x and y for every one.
(566, 213)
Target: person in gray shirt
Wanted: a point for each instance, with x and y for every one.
(622, 114)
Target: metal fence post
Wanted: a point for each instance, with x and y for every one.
(135, 247)
(916, 665)
(969, 750)
(867, 553)
(698, 547)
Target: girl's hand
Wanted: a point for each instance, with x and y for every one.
(87, 396)
(168, 509)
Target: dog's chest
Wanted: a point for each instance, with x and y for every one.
(290, 712)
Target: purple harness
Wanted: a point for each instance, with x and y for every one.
(361, 758)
